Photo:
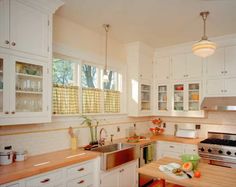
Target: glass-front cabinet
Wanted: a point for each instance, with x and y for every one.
(162, 102)
(145, 97)
(187, 99)
(23, 93)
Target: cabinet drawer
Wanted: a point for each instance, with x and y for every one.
(190, 149)
(84, 181)
(172, 147)
(79, 170)
(48, 179)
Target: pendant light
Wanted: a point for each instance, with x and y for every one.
(204, 47)
(105, 73)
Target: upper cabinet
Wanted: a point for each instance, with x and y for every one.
(25, 56)
(140, 63)
(222, 63)
(162, 69)
(24, 28)
(186, 66)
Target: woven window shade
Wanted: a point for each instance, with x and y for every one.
(91, 100)
(65, 99)
(111, 101)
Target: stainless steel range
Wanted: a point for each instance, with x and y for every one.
(219, 149)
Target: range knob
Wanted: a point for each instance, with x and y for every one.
(202, 149)
(209, 150)
(220, 151)
(228, 153)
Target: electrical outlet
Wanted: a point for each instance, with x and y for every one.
(134, 124)
(118, 129)
(197, 127)
(164, 125)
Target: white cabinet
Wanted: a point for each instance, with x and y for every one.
(24, 97)
(186, 66)
(124, 176)
(139, 59)
(78, 175)
(187, 99)
(221, 87)
(163, 98)
(25, 28)
(162, 69)
(222, 63)
(174, 150)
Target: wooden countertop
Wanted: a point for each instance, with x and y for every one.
(168, 138)
(54, 160)
(211, 176)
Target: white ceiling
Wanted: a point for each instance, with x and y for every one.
(156, 22)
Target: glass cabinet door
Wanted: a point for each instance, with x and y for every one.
(145, 97)
(162, 97)
(179, 97)
(1, 85)
(193, 97)
(29, 87)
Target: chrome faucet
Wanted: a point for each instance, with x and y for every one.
(102, 139)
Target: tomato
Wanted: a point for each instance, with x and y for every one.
(197, 174)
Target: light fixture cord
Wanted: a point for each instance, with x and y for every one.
(106, 44)
(204, 17)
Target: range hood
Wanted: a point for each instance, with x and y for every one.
(219, 103)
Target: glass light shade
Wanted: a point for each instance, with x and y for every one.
(204, 48)
(105, 77)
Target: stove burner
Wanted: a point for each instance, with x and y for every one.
(220, 142)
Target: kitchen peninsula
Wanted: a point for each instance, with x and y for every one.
(212, 176)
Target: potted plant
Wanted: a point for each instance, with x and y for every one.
(93, 129)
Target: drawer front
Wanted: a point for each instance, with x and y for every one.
(190, 149)
(171, 154)
(172, 147)
(84, 181)
(48, 179)
(79, 170)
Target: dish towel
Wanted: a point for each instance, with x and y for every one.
(150, 150)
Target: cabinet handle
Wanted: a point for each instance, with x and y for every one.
(45, 180)
(7, 42)
(13, 112)
(222, 90)
(225, 91)
(226, 71)
(121, 170)
(222, 72)
(171, 146)
(6, 112)
(81, 169)
(167, 77)
(80, 182)
(13, 43)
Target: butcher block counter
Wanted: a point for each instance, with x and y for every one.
(43, 163)
(168, 138)
(211, 176)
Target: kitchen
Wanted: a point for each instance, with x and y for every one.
(154, 75)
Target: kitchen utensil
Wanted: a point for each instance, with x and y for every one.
(6, 157)
(21, 156)
(189, 176)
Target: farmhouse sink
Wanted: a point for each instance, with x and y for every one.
(116, 154)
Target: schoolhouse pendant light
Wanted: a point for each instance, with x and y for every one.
(204, 47)
(105, 73)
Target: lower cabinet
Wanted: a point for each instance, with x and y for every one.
(78, 175)
(174, 150)
(123, 176)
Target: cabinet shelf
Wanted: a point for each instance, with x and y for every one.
(162, 91)
(29, 76)
(193, 101)
(145, 101)
(162, 101)
(29, 92)
(195, 90)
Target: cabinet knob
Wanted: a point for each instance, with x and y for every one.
(13, 112)
(226, 71)
(80, 182)
(7, 42)
(121, 170)
(6, 112)
(13, 43)
(45, 180)
(225, 91)
(81, 169)
(222, 72)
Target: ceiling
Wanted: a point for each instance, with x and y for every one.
(158, 23)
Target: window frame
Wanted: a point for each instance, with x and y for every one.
(120, 85)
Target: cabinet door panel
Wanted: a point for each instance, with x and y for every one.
(215, 64)
(128, 176)
(214, 87)
(110, 179)
(4, 23)
(145, 67)
(179, 66)
(162, 69)
(230, 61)
(230, 86)
(193, 66)
(25, 23)
(171, 154)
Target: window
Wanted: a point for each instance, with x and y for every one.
(80, 85)
(65, 91)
